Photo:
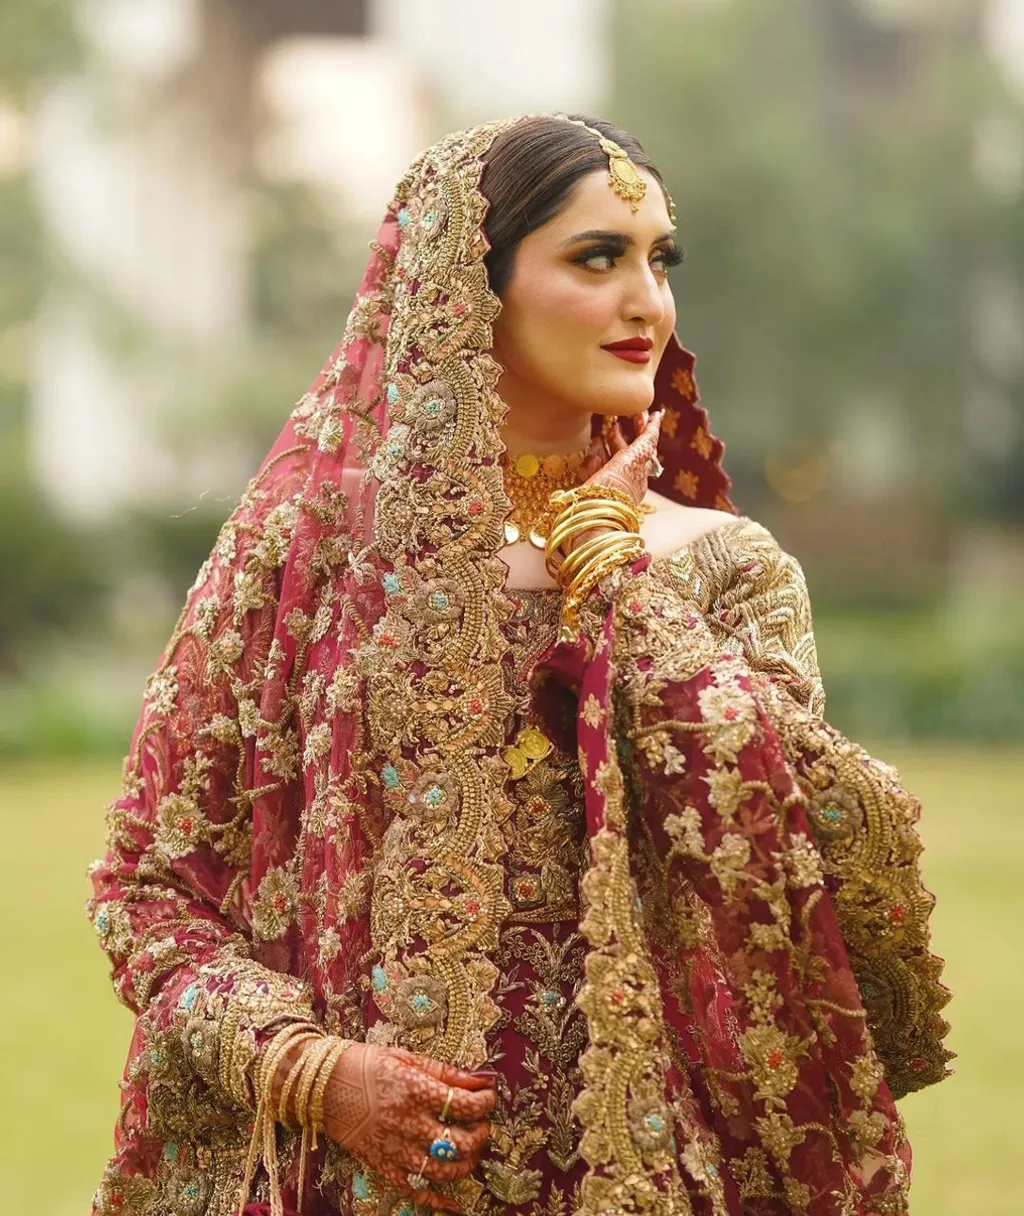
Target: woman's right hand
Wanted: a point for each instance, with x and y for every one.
(384, 1105)
(624, 466)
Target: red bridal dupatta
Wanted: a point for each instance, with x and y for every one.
(308, 826)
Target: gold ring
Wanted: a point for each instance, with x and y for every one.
(447, 1103)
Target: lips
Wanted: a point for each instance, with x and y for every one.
(630, 344)
(633, 350)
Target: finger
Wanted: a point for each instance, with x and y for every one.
(466, 1106)
(415, 1157)
(617, 440)
(647, 445)
(448, 1074)
(639, 423)
(423, 1129)
(593, 460)
(469, 1139)
(398, 1179)
(654, 422)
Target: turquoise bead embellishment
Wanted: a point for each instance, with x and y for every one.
(389, 775)
(833, 814)
(360, 1187)
(379, 978)
(404, 218)
(392, 584)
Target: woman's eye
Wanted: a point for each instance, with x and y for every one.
(600, 260)
(666, 258)
(606, 259)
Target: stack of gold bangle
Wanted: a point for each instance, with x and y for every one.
(583, 509)
(307, 1078)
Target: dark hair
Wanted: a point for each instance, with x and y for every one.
(531, 172)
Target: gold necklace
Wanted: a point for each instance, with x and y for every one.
(529, 482)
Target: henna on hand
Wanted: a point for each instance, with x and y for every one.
(384, 1105)
(627, 468)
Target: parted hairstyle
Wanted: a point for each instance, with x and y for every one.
(530, 175)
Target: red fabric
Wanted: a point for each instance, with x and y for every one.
(708, 1020)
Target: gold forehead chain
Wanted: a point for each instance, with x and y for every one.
(623, 176)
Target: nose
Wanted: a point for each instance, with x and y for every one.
(644, 299)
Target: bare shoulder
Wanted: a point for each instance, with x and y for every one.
(674, 525)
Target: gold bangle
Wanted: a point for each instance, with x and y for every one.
(597, 547)
(312, 1058)
(596, 571)
(324, 1074)
(272, 1055)
(590, 577)
(598, 508)
(587, 551)
(574, 494)
(564, 529)
(293, 1075)
(263, 1128)
(567, 531)
(593, 508)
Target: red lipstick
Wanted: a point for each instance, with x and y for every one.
(633, 350)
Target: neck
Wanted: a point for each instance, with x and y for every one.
(542, 427)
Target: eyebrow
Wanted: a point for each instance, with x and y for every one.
(621, 238)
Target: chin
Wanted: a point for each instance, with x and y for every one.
(633, 399)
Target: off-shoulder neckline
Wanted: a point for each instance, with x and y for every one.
(690, 546)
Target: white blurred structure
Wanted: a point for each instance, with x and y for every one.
(140, 161)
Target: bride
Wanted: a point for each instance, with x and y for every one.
(482, 846)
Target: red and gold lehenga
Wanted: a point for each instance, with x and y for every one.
(636, 873)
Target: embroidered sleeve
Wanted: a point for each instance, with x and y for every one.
(861, 818)
(801, 1104)
(170, 903)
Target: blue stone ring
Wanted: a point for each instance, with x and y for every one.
(442, 1149)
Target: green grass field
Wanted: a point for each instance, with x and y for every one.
(64, 1035)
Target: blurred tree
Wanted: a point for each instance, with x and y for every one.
(820, 155)
(38, 40)
(50, 578)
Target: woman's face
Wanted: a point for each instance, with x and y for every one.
(594, 275)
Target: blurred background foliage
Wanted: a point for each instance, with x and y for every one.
(842, 219)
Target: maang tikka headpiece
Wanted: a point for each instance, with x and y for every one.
(623, 176)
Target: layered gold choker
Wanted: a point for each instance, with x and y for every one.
(529, 483)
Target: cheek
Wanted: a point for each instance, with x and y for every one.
(562, 304)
